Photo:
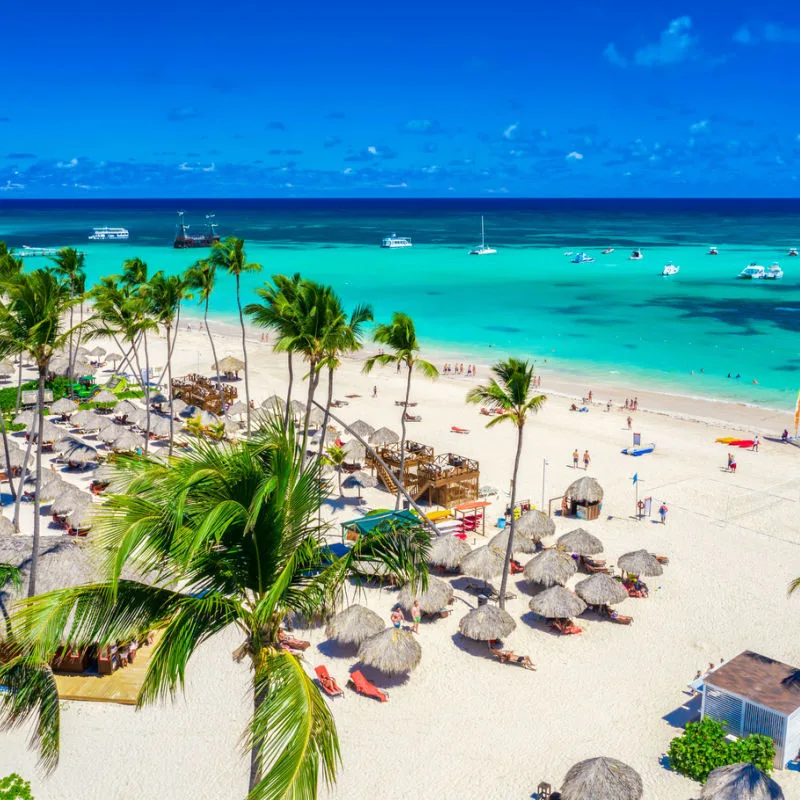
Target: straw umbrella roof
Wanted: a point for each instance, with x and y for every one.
(448, 551)
(77, 451)
(602, 779)
(556, 602)
(361, 428)
(383, 436)
(82, 351)
(6, 368)
(105, 473)
(6, 527)
(431, 600)
(230, 364)
(114, 357)
(161, 426)
(580, 542)
(273, 403)
(483, 562)
(15, 457)
(24, 418)
(640, 562)
(585, 490)
(85, 419)
(601, 589)
(238, 408)
(81, 517)
(50, 432)
(51, 487)
(486, 622)
(59, 366)
(108, 433)
(124, 408)
(69, 501)
(356, 453)
(535, 525)
(103, 421)
(522, 544)
(392, 651)
(740, 782)
(361, 479)
(550, 567)
(353, 625)
(296, 408)
(97, 352)
(104, 396)
(126, 441)
(63, 406)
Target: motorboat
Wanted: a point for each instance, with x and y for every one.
(108, 234)
(670, 269)
(393, 241)
(569, 252)
(608, 250)
(636, 255)
(582, 258)
(774, 273)
(713, 250)
(483, 250)
(792, 251)
(753, 272)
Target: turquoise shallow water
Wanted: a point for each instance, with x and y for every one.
(614, 318)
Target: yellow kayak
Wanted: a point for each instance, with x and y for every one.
(727, 439)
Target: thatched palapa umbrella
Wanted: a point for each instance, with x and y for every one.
(483, 562)
(178, 407)
(51, 486)
(237, 408)
(432, 600)
(550, 567)
(6, 528)
(15, 458)
(534, 525)
(229, 364)
(81, 518)
(24, 418)
(297, 409)
(640, 562)
(485, 623)
(97, 352)
(601, 589)
(85, 420)
(602, 779)
(80, 453)
(108, 433)
(556, 603)
(740, 782)
(361, 480)
(273, 403)
(354, 625)
(50, 432)
(64, 406)
(448, 551)
(361, 428)
(6, 369)
(522, 544)
(383, 436)
(69, 501)
(124, 408)
(105, 396)
(585, 490)
(126, 442)
(392, 651)
(114, 357)
(356, 453)
(580, 542)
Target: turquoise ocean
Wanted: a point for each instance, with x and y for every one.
(613, 318)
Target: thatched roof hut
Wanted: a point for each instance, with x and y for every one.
(25, 418)
(50, 432)
(580, 542)
(556, 602)
(640, 562)
(163, 426)
(486, 622)
(483, 562)
(521, 544)
(15, 457)
(740, 782)
(383, 436)
(353, 625)
(361, 428)
(229, 364)
(550, 567)
(81, 518)
(431, 600)
(602, 779)
(124, 408)
(76, 451)
(97, 352)
(585, 490)
(535, 525)
(108, 433)
(601, 589)
(448, 551)
(392, 651)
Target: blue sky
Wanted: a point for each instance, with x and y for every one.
(414, 99)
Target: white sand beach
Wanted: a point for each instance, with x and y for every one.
(464, 726)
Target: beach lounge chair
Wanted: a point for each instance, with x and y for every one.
(566, 626)
(592, 566)
(360, 684)
(291, 643)
(328, 684)
(456, 429)
(620, 619)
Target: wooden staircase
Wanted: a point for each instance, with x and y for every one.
(386, 478)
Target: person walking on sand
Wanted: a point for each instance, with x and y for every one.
(416, 617)
(731, 463)
(374, 391)
(630, 421)
(663, 513)
(590, 395)
(756, 442)
(586, 459)
(575, 457)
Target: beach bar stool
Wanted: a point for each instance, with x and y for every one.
(543, 790)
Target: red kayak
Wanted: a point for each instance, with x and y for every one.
(742, 443)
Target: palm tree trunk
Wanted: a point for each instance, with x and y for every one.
(19, 386)
(7, 454)
(71, 368)
(289, 392)
(327, 412)
(339, 475)
(37, 502)
(512, 524)
(20, 491)
(313, 380)
(403, 437)
(213, 352)
(169, 385)
(244, 352)
(147, 393)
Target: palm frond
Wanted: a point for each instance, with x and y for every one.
(426, 368)
(10, 574)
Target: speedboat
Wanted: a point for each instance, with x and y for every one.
(792, 251)
(582, 258)
(108, 234)
(670, 269)
(569, 252)
(395, 241)
(713, 251)
(608, 250)
(774, 273)
(636, 255)
(753, 272)
(482, 250)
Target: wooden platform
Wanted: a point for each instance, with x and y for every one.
(121, 687)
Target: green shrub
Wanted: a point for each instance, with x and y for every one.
(703, 747)
(13, 787)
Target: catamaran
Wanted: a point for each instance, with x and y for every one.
(753, 272)
(483, 250)
(773, 273)
(108, 234)
(394, 240)
(670, 269)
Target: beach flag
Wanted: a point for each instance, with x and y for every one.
(797, 414)
(636, 477)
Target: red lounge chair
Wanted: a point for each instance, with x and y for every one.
(566, 627)
(516, 567)
(456, 429)
(361, 685)
(328, 684)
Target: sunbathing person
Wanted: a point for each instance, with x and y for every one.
(290, 643)
(510, 656)
(565, 625)
(615, 616)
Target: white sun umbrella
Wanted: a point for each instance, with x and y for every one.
(127, 442)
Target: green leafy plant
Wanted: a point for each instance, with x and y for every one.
(13, 787)
(703, 747)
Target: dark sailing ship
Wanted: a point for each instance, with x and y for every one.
(185, 240)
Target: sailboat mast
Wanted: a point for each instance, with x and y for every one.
(483, 238)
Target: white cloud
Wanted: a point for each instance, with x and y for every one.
(73, 162)
(699, 127)
(184, 167)
(210, 168)
(430, 170)
(372, 150)
(613, 56)
(10, 187)
(402, 185)
(675, 44)
(348, 171)
(743, 36)
(575, 155)
(508, 133)
(289, 185)
(770, 32)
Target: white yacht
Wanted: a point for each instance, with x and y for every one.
(582, 258)
(636, 255)
(483, 250)
(395, 241)
(108, 234)
(774, 273)
(713, 250)
(753, 272)
(670, 269)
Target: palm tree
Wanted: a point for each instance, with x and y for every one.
(401, 337)
(230, 256)
(69, 267)
(236, 528)
(509, 392)
(202, 277)
(335, 456)
(278, 312)
(165, 296)
(32, 321)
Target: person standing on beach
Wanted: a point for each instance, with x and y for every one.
(416, 617)
(397, 617)
(590, 395)
(756, 442)
(575, 457)
(586, 459)
(663, 513)
(374, 391)
(630, 421)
